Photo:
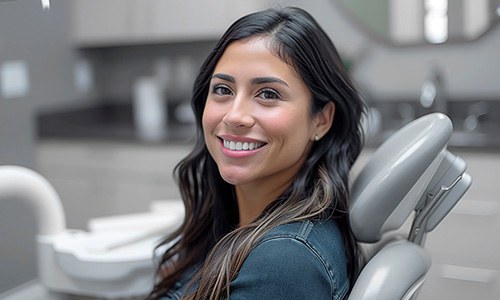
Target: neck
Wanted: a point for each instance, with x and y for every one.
(254, 198)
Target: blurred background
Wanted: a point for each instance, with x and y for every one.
(94, 94)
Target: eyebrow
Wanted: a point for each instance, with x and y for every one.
(258, 80)
(261, 80)
(224, 77)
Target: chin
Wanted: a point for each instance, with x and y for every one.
(233, 179)
(230, 180)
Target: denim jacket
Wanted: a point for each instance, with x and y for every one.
(301, 260)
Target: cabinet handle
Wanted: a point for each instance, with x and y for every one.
(468, 273)
(477, 208)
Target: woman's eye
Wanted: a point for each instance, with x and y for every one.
(268, 94)
(221, 90)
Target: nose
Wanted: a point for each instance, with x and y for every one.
(239, 113)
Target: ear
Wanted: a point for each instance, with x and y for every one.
(323, 120)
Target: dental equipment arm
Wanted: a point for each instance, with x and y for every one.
(28, 186)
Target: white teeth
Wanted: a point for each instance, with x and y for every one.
(239, 146)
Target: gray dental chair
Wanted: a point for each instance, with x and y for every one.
(408, 186)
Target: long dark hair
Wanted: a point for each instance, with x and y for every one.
(209, 236)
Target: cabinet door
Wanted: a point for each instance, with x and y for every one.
(114, 22)
(194, 19)
(101, 22)
(165, 21)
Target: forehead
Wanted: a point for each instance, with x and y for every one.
(254, 56)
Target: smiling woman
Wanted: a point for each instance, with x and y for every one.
(266, 186)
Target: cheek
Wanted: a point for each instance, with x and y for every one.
(291, 127)
(209, 118)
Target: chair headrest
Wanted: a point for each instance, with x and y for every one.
(389, 187)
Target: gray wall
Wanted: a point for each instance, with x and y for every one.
(41, 39)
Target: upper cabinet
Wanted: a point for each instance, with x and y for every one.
(98, 23)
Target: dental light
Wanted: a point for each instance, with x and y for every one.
(114, 259)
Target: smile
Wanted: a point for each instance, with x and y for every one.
(241, 146)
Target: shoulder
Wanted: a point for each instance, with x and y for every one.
(303, 257)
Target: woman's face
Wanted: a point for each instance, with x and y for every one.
(257, 123)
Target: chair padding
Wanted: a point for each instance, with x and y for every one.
(379, 193)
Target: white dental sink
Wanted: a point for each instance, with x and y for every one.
(115, 259)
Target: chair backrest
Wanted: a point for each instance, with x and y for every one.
(410, 174)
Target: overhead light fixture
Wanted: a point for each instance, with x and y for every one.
(46, 4)
(436, 21)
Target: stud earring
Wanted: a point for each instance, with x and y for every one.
(316, 137)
